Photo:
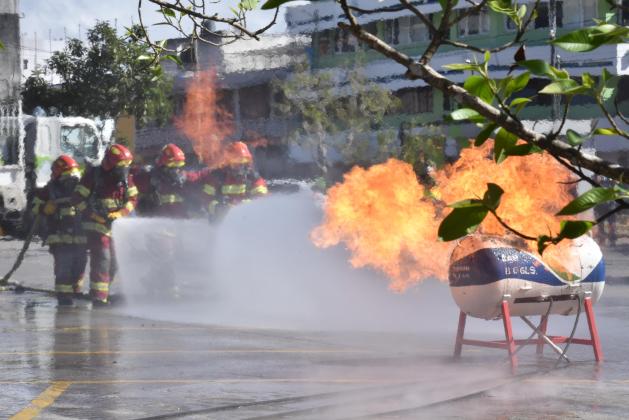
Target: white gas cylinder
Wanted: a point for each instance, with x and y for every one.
(485, 270)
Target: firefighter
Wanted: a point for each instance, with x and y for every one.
(65, 235)
(167, 188)
(105, 193)
(235, 182)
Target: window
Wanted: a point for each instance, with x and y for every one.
(25, 62)
(325, 42)
(416, 100)
(475, 23)
(542, 15)
(79, 141)
(255, 102)
(625, 12)
(392, 31)
(418, 31)
(344, 41)
(590, 11)
(579, 13)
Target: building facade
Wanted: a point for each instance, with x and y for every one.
(245, 71)
(423, 105)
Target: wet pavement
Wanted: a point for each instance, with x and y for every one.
(79, 363)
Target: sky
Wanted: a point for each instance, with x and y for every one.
(53, 17)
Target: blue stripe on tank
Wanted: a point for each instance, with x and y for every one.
(489, 265)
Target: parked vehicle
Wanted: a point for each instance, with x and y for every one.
(29, 145)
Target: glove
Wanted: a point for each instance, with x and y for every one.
(98, 219)
(114, 215)
(49, 208)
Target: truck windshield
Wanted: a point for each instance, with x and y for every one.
(79, 141)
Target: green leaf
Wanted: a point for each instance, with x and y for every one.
(571, 229)
(472, 202)
(538, 67)
(501, 6)
(519, 83)
(461, 66)
(524, 149)
(1, 46)
(587, 80)
(273, 4)
(588, 39)
(491, 199)
(588, 200)
(504, 141)
(519, 103)
(248, 5)
(168, 12)
(174, 58)
(606, 132)
(482, 137)
(609, 17)
(145, 57)
(563, 87)
(461, 222)
(574, 138)
(465, 114)
(542, 243)
(479, 87)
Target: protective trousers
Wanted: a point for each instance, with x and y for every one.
(70, 261)
(102, 264)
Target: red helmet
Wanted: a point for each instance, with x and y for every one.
(117, 155)
(238, 153)
(64, 165)
(171, 156)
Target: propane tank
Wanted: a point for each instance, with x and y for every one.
(486, 270)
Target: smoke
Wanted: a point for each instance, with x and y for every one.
(259, 268)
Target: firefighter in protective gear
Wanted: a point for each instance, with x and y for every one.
(104, 194)
(167, 188)
(237, 181)
(66, 238)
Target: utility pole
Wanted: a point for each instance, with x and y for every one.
(554, 58)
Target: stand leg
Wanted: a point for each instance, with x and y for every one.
(596, 342)
(458, 345)
(506, 320)
(543, 325)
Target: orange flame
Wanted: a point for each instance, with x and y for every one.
(206, 124)
(381, 214)
(385, 219)
(535, 187)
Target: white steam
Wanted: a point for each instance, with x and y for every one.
(259, 268)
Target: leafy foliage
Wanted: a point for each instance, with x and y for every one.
(327, 116)
(105, 77)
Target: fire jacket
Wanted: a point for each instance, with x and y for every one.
(230, 187)
(167, 197)
(102, 199)
(64, 224)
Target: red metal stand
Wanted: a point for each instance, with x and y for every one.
(509, 343)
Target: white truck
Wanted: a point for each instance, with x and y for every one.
(29, 145)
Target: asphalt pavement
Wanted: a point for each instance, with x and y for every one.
(80, 363)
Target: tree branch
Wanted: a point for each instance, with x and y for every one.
(417, 70)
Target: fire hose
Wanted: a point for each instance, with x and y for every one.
(20, 257)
